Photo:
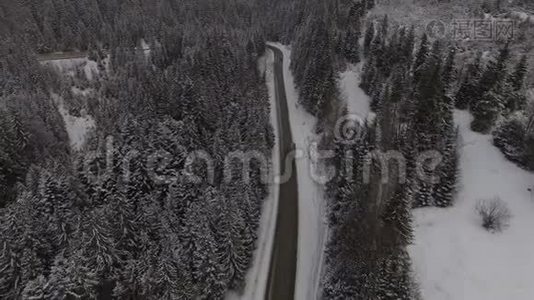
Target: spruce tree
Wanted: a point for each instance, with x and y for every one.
(444, 190)
(517, 78)
(486, 110)
(420, 57)
(398, 216)
(469, 89)
(495, 70)
(408, 45)
(368, 38)
(510, 136)
(352, 46)
(448, 73)
(369, 4)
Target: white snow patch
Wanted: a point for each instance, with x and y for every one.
(77, 127)
(312, 226)
(69, 66)
(357, 101)
(145, 47)
(256, 280)
(81, 92)
(454, 257)
(523, 16)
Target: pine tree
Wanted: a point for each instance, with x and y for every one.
(369, 75)
(394, 279)
(444, 190)
(369, 35)
(351, 46)
(423, 195)
(493, 88)
(397, 86)
(397, 216)
(495, 71)
(420, 58)
(429, 95)
(469, 89)
(408, 45)
(486, 110)
(517, 78)
(509, 137)
(448, 73)
(369, 4)
(357, 10)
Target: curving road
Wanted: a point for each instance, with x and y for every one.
(283, 266)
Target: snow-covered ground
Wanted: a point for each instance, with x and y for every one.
(357, 101)
(69, 66)
(523, 16)
(77, 127)
(81, 92)
(256, 280)
(454, 257)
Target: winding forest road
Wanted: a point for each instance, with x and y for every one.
(60, 56)
(283, 266)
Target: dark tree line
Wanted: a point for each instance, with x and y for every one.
(32, 128)
(323, 36)
(410, 82)
(74, 226)
(414, 84)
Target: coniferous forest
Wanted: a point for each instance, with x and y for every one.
(181, 77)
(73, 226)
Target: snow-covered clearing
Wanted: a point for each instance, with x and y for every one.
(77, 127)
(357, 101)
(81, 92)
(69, 66)
(454, 257)
(523, 16)
(256, 281)
(145, 47)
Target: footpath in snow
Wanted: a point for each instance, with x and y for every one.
(454, 257)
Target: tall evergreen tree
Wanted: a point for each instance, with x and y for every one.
(420, 57)
(517, 78)
(352, 46)
(469, 89)
(368, 38)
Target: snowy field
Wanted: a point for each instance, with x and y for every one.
(77, 127)
(69, 66)
(357, 101)
(454, 257)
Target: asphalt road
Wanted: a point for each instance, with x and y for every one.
(282, 270)
(60, 56)
(72, 55)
